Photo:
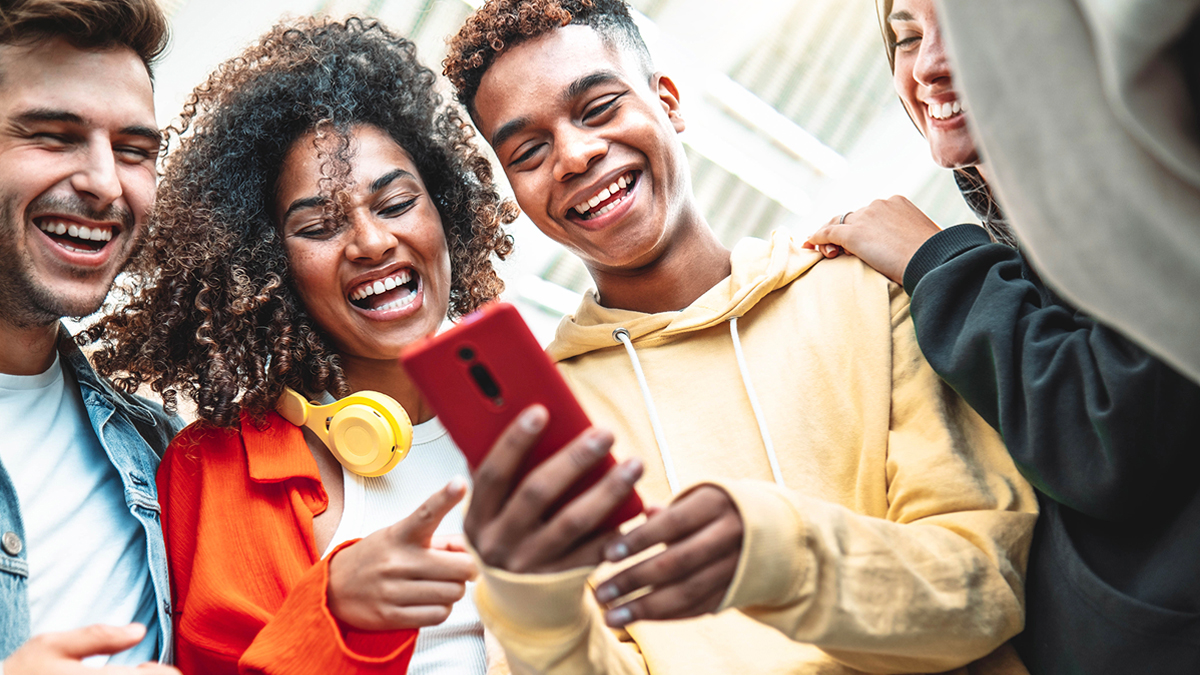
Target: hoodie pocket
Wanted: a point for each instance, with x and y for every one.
(1078, 623)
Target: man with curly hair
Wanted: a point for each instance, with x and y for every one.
(81, 549)
(854, 511)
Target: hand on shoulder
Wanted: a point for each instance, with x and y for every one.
(885, 234)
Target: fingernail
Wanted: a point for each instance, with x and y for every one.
(534, 419)
(597, 442)
(618, 617)
(631, 470)
(616, 552)
(457, 484)
(607, 592)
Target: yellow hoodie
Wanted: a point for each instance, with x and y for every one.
(891, 534)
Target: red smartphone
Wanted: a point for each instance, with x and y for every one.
(480, 374)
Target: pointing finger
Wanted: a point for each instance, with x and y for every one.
(418, 528)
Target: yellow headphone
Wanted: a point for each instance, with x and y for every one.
(368, 432)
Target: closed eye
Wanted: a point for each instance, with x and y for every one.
(526, 156)
(397, 209)
(139, 154)
(599, 110)
(54, 138)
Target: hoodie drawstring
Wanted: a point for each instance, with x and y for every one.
(622, 336)
(754, 405)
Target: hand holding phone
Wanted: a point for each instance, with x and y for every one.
(503, 521)
(543, 476)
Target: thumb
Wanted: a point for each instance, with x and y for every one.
(418, 527)
(95, 639)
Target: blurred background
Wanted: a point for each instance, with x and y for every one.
(791, 115)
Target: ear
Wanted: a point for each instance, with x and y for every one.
(668, 96)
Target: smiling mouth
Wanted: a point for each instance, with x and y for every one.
(77, 238)
(945, 111)
(393, 292)
(607, 198)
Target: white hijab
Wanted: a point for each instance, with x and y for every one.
(1082, 113)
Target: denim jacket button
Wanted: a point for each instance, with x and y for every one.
(11, 543)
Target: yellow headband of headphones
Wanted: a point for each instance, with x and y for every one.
(368, 432)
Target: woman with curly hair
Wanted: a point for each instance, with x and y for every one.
(322, 209)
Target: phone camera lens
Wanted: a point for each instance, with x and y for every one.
(466, 354)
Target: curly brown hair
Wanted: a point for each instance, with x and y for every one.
(501, 24)
(213, 314)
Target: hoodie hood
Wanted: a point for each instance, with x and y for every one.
(758, 268)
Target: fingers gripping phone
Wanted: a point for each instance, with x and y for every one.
(482, 373)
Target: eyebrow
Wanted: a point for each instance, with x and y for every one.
(573, 90)
(586, 82)
(379, 183)
(389, 177)
(305, 203)
(508, 130)
(62, 116)
(902, 15)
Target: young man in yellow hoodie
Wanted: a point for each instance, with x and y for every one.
(856, 513)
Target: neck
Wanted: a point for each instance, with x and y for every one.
(28, 350)
(983, 172)
(387, 377)
(672, 281)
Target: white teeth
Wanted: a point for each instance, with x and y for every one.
(942, 111)
(621, 183)
(397, 304)
(98, 233)
(382, 285)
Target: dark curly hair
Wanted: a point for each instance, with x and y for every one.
(213, 314)
(500, 24)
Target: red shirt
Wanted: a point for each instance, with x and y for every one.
(247, 581)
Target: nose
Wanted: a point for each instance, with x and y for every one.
(97, 178)
(370, 239)
(577, 149)
(932, 64)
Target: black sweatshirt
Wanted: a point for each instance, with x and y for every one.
(1109, 436)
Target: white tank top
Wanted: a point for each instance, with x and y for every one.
(454, 647)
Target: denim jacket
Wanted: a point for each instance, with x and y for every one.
(134, 433)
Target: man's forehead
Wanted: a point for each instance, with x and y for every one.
(94, 84)
(551, 68)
